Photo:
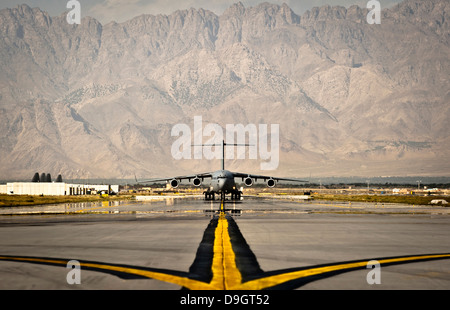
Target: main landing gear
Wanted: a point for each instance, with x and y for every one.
(235, 195)
(209, 195)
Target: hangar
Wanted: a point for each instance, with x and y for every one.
(56, 189)
(44, 186)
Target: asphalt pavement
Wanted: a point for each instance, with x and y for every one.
(253, 244)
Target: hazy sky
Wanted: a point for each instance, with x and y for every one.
(121, 10)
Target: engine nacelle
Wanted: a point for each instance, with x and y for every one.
(248, 181)
(174, 183)
(197, 181)
(271, 183)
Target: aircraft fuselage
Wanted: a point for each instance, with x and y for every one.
(222, 181)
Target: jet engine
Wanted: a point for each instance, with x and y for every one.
(174, 183)
(271, 183)
(248, 181)
(197, 181)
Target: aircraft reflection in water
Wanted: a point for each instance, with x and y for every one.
(222, 181)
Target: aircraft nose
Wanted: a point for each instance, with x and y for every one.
(222, 182)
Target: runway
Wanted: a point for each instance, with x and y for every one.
(254, 244)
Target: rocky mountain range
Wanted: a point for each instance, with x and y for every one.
(351, 98)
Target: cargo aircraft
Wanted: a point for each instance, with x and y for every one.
(222, 181)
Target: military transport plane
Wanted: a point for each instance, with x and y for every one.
(222, 181)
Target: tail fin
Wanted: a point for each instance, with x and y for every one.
(223, 149)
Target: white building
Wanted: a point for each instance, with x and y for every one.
(55, 188)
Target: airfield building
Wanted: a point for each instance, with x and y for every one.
(56, 189)
(42, 185)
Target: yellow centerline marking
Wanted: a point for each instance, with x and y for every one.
(226, 275)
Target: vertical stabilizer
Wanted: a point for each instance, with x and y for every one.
(223, 154)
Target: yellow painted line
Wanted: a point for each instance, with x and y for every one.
(226, 275)
(181, 281)
(37, 260)
(271, 281)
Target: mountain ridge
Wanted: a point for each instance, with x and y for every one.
(95, 100)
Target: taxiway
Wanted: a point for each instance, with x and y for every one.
(259, 243)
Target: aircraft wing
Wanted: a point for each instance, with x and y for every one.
(264, 177)
(178, 178)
